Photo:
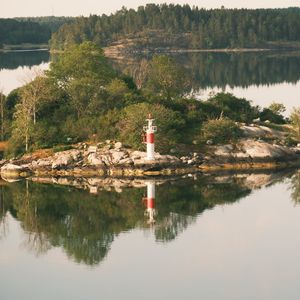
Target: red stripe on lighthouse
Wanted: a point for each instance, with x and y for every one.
(150, 138)
(150, 203)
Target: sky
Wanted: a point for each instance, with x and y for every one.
(33, 8)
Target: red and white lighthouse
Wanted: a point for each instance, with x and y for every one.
(150, 130)
(149, 202)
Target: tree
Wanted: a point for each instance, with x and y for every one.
(166, 77)
(82, 72)
(22, 124)
(220, 131)
(37, 91)
(237, 109)
(295, 121)
(277, 108)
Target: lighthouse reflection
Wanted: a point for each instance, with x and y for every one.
(149, 202)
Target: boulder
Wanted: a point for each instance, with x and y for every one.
(260, 149)
(65, 158)
(137, 155)
(94, 160)
(224, 150)
(254, 150)
(118, 145)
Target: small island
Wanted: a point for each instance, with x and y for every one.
(83, 118)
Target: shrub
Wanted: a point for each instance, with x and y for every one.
(237, 109)
(59, 148)
(220, 131)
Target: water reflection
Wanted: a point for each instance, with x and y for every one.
(15, 59)
(85, 225)
(211, 70)
(149, 202)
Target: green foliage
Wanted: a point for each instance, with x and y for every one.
(59, 148)
(164, 26)
(166, 77)
(295, 121)
(237, 109)
(82, 72)
(277, 108)
(107, 128)
(270, 115)
(167, 121)
(16, 32)
(220, 131)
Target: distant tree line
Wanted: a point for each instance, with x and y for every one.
(183, 27)
(17, 32)
(29, 30)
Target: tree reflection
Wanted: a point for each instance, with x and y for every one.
(85, 225)
(13, 60)
(295, 187)
(208, 70)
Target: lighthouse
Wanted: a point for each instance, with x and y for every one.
(149, 202)
(150, 130)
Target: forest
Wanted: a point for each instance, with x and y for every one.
(36, 30)
(15, 32)
(160, 26)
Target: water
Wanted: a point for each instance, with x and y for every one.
(17, 67)
(262, 77)
(215, 237)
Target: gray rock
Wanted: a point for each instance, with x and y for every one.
(126, 161)
(116, 156)
(137, 155)
(65, 158)
(224, 150)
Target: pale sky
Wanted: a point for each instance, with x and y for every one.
(26, 8)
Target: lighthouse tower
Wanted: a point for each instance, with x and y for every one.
(149, 202)
(150, 130)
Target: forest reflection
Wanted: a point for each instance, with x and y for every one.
(209, 70)
(205, 70)
(13, 60)
(85, 225)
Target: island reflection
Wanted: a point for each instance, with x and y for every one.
(84, 222)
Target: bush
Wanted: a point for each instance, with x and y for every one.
(237, 109)
(106, 128)
(59, 148)
(267, 114)
(220, 131)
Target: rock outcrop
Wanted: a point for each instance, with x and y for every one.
(115, 160)
(249, 153)
(109, 158)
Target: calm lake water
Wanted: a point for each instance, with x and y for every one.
(221, 237)
(262, 77)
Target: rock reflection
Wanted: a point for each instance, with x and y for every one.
(85, 225)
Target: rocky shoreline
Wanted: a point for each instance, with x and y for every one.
(112, 159)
